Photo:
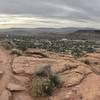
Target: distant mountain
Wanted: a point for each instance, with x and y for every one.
(85, 35)
(41, 30)
(55, 33)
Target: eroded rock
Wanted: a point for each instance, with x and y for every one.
(93, 62)
(28, 65)
(67, 67)
(65, 95)
(90, 88)
(71, 79)
(5, 95)
(22, 80)
(1, 73)
(22, 96)
(15, 87)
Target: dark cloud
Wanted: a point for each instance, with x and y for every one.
(65, 9)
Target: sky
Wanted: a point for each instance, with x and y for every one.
(49, 13)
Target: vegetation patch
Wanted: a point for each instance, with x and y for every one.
(16, 52)
(44, 81)
(7, 44)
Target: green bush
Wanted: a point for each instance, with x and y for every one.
(77, 52)
(16, 52)
(41, 86)
(90, 49)
(55, 80)
(44, 81)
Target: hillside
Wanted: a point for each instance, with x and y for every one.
(85, 35)
(53, 33)
(80, 80)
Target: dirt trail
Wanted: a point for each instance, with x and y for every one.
(6, 68)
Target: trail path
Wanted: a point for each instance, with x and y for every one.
(6, 68)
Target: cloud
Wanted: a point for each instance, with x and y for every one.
(21, 12)
(29, 21)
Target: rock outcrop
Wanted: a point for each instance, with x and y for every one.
(80, 77)
(15, 87)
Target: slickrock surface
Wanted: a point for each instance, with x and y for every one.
(15, 87)
(80, 77)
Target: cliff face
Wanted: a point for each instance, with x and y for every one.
(80, 77)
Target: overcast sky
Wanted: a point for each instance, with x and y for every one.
(49, 13)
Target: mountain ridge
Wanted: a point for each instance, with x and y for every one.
(55, 33)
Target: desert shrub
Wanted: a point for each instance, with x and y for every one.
(41, 86)
(16, 52)
(55, 80)
(22, 47)
(90, 49)
(7, 44)
(43, 71)
(77, 52)
(44, 81)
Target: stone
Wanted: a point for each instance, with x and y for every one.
(15, 87)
